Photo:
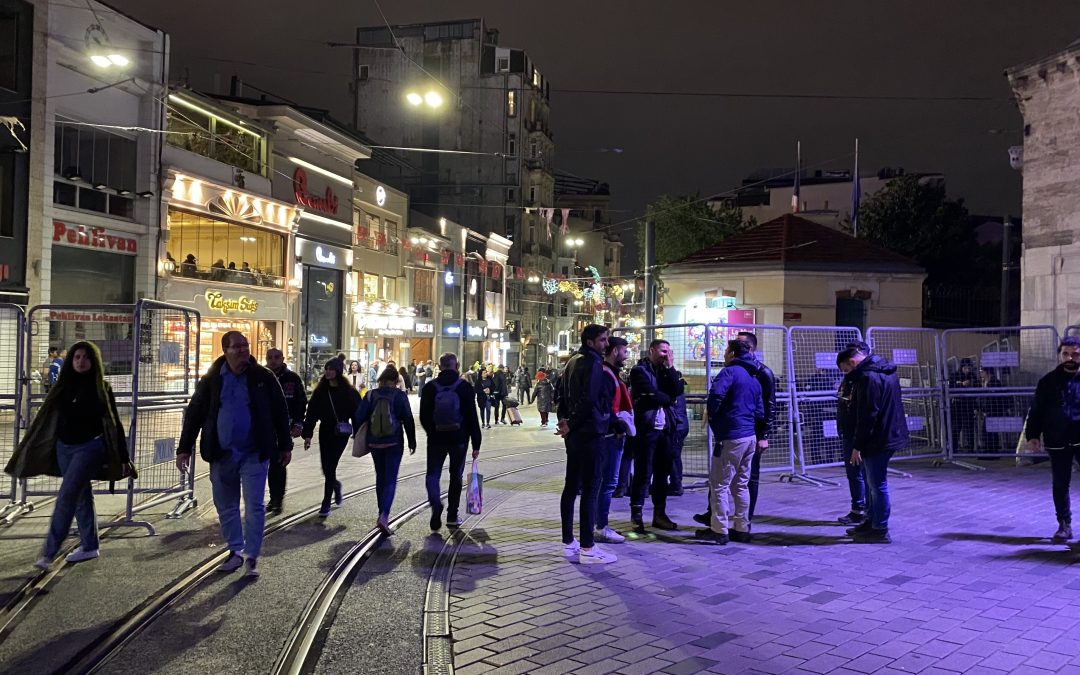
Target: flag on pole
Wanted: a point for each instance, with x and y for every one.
(798, 177)
(855, 196)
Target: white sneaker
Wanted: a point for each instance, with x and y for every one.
(79, 555)
(609, 536)
(235, 562)
(571, 550)
(595, 556)
(250, 569)
(43, 564)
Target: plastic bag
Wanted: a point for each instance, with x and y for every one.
(474, 499)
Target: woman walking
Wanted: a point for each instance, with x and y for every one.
(544, 397)
(78, 435)
(485, 386)
(389, 417)
(332, 405)
(355, 376)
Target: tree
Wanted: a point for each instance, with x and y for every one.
(687, 224)
(915, 218)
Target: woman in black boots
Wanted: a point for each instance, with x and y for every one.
(332, 405)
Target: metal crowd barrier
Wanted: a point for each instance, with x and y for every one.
(12, 378)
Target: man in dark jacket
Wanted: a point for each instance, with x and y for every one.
(296, 398)
(845, 429)
(501, 389)
(735, 410)
(654, 386)
(241, 413)
(880, 426)
(448, 434)
(1055, 417)
(585, 416)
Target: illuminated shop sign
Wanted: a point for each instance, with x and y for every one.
(426, 328)
(219, 302)
(380, 195)
(382, 322)
(325, 257)
(326, 202)
(318, 339)
(92, 237)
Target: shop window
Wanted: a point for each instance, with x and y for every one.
(88, 277)
(226, 252)
(94, 169)
(371, 287)
(424, 286)
(389, 289)
(511, 103)
(215, 137)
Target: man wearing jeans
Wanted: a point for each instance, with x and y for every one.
(845, 428)
(877, 413)
(448, 415)
(622, 424)
(735, 409)
(585, 396)
(241, 412)
(1055, 417)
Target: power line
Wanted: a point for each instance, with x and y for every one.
(788, 95)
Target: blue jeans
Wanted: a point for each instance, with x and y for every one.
(876, 473)
(610, 459)
(387, 462)
(230, 476)
(856, 482)
(78, 464)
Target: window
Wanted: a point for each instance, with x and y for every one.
(511, 103)
(424, 287)
(511, 145)
(9, 51)
(7, 195)
(513, 298)
(371, 287)
(511, 194)
(564, 308)
(216, 138)
(536, 79)
(534, 149)
(509, 227)
(364, 73)
(389, 289)
(95, 169)
(502, 64)
(226, 252)
(377, 234)
(532, 194)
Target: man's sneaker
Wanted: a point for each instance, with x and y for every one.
(852, 518)
(741, 537)
(251, 569)
(1064, 532)
(872, 536)
(43, 564)
(452, 519)
(864, 526)
(703, 518)
(79, 555)
(712, 537)
(436, 519)
(235, 562)
(609, 536)
(273, 509)
(595, 556)
(570, 551)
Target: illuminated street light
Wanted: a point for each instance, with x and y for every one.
(433, 99)
(413, 98)
(108, 60)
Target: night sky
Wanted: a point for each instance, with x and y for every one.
(947, 50)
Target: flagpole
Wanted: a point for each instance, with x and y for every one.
(855, 196)
(798, 176)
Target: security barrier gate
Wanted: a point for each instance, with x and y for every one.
(12, 326)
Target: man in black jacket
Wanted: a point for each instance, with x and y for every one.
(654, 386)
(1055, 417)
(296, 398)
(880, 425)
(449, 429)
(585, 417)
(500, 391)
(845, 428)
(241, 413)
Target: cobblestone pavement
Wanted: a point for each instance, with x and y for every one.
(971, 584)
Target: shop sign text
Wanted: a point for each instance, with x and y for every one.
(326, 203)
(92, 237)
(215, 300)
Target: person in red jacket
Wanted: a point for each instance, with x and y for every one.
(622, 423)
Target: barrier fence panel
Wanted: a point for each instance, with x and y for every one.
(990, 378)
(816, 379)
(12, 379)
(1072, 331)
(916, 352)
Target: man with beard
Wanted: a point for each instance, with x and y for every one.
(1055, 417)
(622, 424)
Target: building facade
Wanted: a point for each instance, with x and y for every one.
(1048, 98)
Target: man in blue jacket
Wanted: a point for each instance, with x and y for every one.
(736, 410)
(876, 413)
(241, 412)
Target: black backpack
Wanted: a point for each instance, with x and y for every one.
(447, 413)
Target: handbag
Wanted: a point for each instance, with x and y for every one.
(474, 499)
(359, 442)
(341, 428)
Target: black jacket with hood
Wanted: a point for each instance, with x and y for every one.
(877, 408)
(470, 420)
(653, 388)
(585, 394)
(1055, 411)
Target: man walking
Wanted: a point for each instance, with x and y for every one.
(499, 392)
(1055, 418)
(239, 409)
(622, 423)
(522, 383)
(880, 430)
(845, 428)
(735, 411)
(448, 415)
(585, 399)
(654, 386)
(296, 398)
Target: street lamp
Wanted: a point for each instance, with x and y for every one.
(432, 98)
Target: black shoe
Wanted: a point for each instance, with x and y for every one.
(873, 537)
(741, 537)
(703, 518)
(636, 519)
(675, 491)
(436, 519)
(620, 492)
(452, 519)
(273, 509)
(662, 522)
(710, 536)
(864, 526)
(337, 492)
(852, 518)
(1064, 532)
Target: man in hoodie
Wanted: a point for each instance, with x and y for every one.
(448, 415)
(241, 413)
(622, 424)
(735, 411)
(877, 415)
(654, 386)
(585, 404)
(845, 428)
(295, 396)
(1055, 418)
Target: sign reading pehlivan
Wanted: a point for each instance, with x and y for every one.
(93, 237)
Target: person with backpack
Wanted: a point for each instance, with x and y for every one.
(331, 406)
(389, 417)
(450, 420)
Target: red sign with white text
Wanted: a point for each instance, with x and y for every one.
(93, 237)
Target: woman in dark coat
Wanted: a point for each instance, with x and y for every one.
(544, 397)
(332, 405)
(76, 434)
(485, 388)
